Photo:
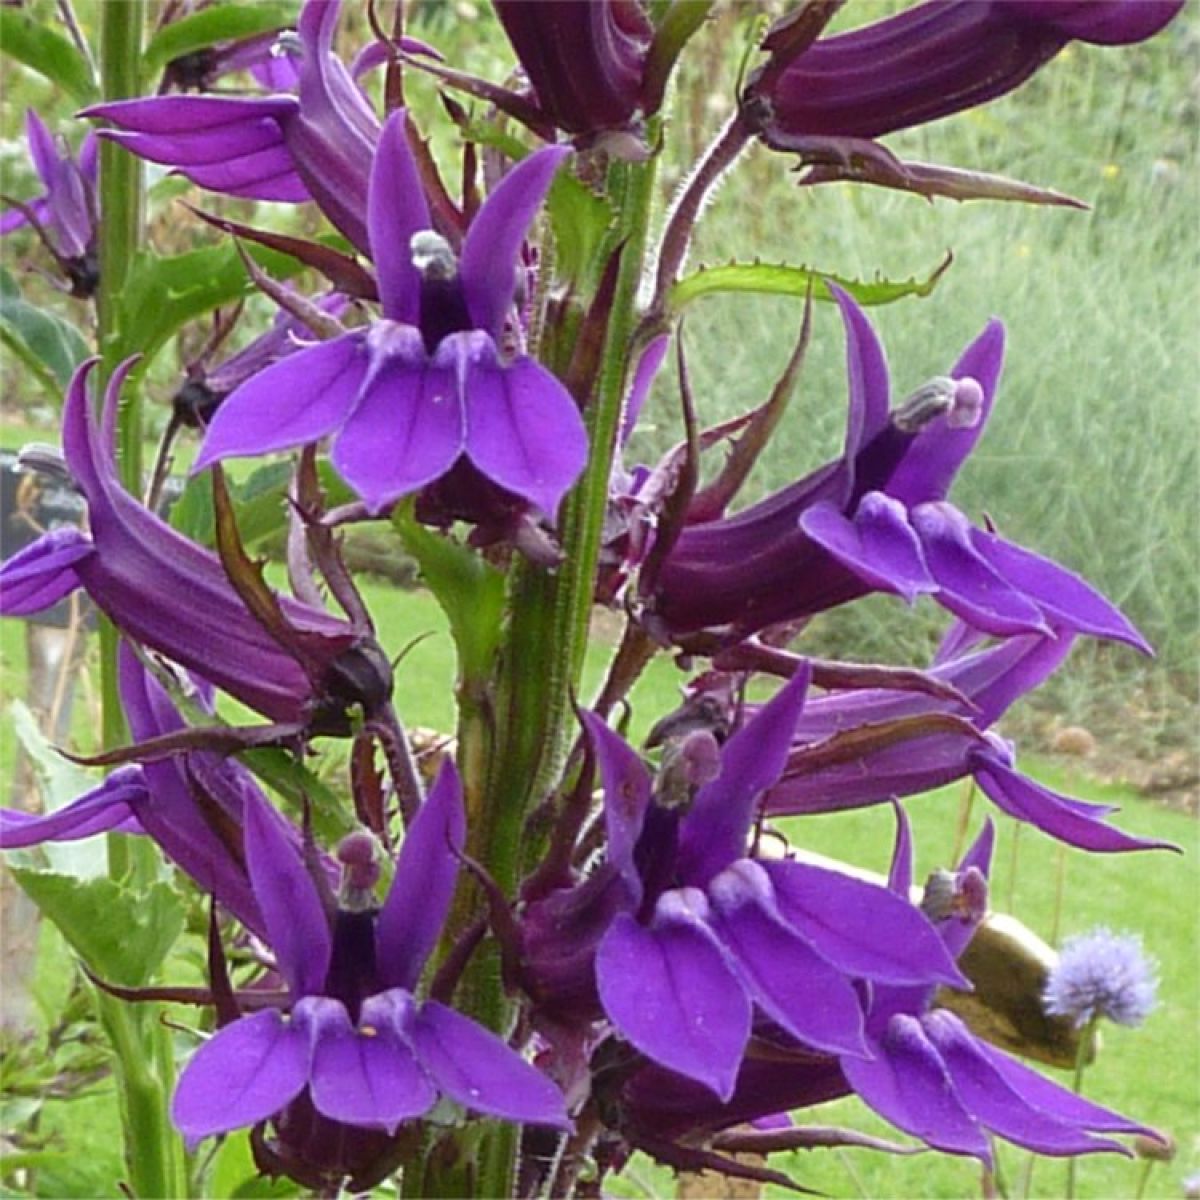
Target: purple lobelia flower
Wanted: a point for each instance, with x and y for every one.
(929, 1075)
(926, 1072)
(876, 519)
(307, 669)
(353, 1054)
(708, 933)
(1102, 974)
(64, 216)
(830, 101)
(426, 386)
(585, 60)
(315, 145)
(869, 746)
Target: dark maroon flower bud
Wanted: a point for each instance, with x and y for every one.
(585, 60)
(930, 61)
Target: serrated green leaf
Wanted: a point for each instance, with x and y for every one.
(39, 338)
(47, 52)
(162, 294)
(470, 591)
(580, 218)
(221, 23)
(784, 280)
(123, 935)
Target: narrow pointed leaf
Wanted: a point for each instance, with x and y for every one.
(783, 280)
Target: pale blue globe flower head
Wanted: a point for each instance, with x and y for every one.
(1103, 974)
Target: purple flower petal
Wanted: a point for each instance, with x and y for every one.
(145, 573)
(907, 1083)
(879, 545)
(194, 806)
(643, 378)
(42, 573)
(111, 806)
(396, 209)
(190, 114)
(627, 785)
(861, 928)
(789, 980)
(41, 149)
(1068, 599)
(1101, 22)
(244, 1074)
(205, 147)
(970, 588)
(1060, 1103)
(936, 454)
(670, 991)
(406, 428)
(1059, 816)
(867, 369)
(297, 927)
(714, 832)
(474, 1067)
(299, 400)
(524, 430)
(411, 919)
(995, 1103)
(900, 873)
(365, 1076)
(488, 265)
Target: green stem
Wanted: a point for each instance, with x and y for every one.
(144, 1065)
(1082, 1055)
(584, 518)
(120, 233)
(144, 1068)
(541, 662)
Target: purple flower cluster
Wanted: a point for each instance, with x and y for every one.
(677, 967)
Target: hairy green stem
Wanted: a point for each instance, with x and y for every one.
(144, 1066)
(120, 232)
(540, 665)
(144, 1073)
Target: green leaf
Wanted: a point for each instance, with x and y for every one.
(50, 346)
(162, 294)
(123, 935)
(470, 591)
(60, 782)
(47, 52)
(221, 23)
(784, 280)
(332, 817)
(259, 503)
(580, 218)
